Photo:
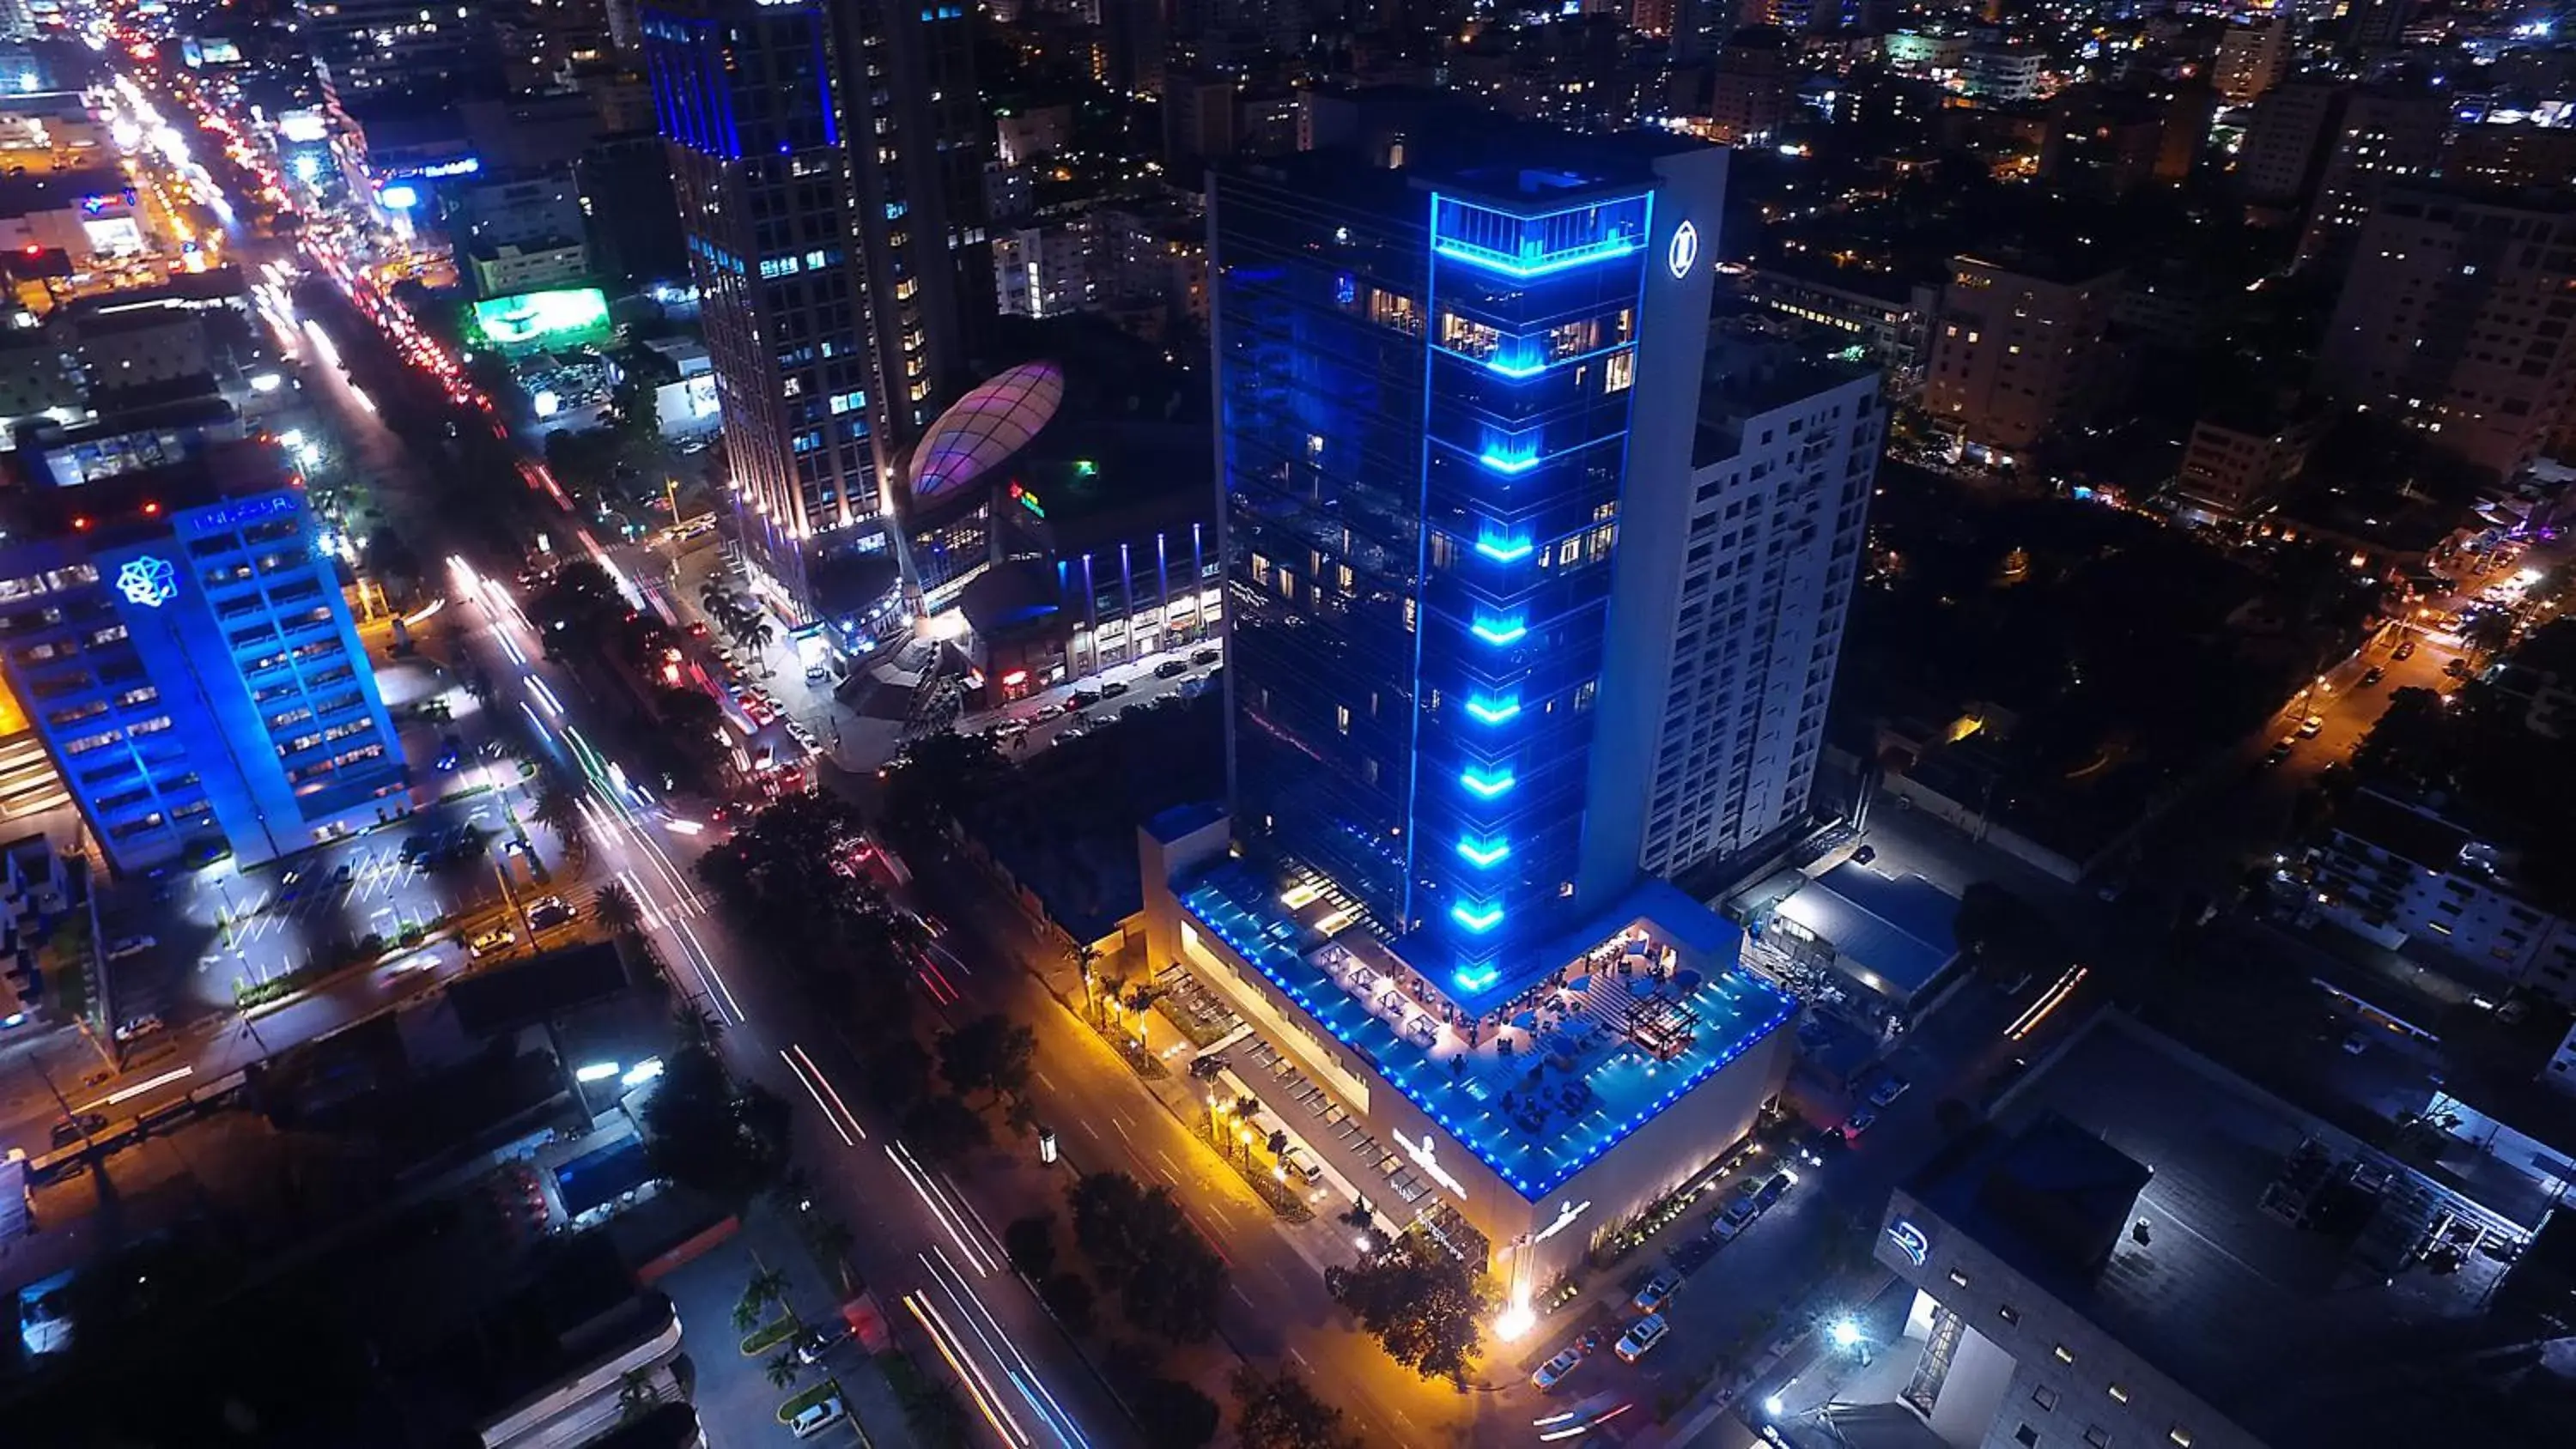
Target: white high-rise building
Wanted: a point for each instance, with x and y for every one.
(1787, 450)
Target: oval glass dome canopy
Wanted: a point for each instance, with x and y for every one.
(981, 430)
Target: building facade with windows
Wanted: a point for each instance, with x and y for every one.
(829, 195)
(1781, 478)
(1458, 401)
(186, 655)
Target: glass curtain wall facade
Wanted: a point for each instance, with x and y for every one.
(1427, 392)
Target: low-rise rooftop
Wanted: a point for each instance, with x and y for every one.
(2300, 1281)
(1587, 1053)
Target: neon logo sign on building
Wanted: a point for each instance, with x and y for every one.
(1910, 1241)
(1684, 251)
(148, 581)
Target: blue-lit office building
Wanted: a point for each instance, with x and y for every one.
(1459, 402)
(184, 651)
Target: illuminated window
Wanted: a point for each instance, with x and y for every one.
(1342, 717)
(1959, 1278)
(1621, 373)
(2119, 1395)
(2064, 1354)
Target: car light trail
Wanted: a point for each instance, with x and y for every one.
(808, 1083)
(903, 1159)
(545, 696)
(830, 1091)
(971, 1378)
(2055, 997)
(977, 1317)
(139, 1088)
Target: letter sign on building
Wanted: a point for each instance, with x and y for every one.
(148, 581)
(1684, 251)
(1910, 1241)
(1426, 1157)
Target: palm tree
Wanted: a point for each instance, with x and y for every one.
(615, 909)
(782, 1368)
(559, 809)
(769, 1285)
(758, 636)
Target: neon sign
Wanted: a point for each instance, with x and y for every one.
(1684, 251)
(1027, 500)
(1566, 1213)
(1910, 1241)
(234, 515)
(148, 581)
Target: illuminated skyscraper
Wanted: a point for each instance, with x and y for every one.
(1495, 513)
(1458, 404)
(183, 649)
(827, 174)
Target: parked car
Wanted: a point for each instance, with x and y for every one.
(1553, 1372)
(1115, 688)
(2280, 750)
(1738, 1216)
(1642, 1336)
(1774, 1190)
(499, 938)
(816, 1417)
(1658, 1289)
(2309, 727)
(138, 1028)
(811, 1348)
(1209, 655)
(2355, 1044)
(1171, 669)
(1051, 710)
(1818, 1145)
(1889, 1088)
(1859, 1122)
(547, 912)
(1080, 700)
(2372, 676)
(2404, 650)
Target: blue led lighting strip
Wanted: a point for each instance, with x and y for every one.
(1600, 251)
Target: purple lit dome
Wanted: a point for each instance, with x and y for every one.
(984, 428)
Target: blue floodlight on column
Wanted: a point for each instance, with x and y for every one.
(1494, 711)
(1499, 632)
(1472, 979)
(1485, 854)
(1518, 358)
(1503, 548)
(1509, 455)
(1488, 782)
(1479, 917)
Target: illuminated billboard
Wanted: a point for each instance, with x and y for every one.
(544, 319)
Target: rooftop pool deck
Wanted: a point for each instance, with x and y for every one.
(1569, 1073)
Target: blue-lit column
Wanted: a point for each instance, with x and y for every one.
(1534, 314)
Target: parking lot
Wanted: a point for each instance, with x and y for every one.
(198, 936)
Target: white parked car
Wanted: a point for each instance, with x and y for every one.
(496, 939)
(1553, 1372)
(814, 1418)
(1642, 1336)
